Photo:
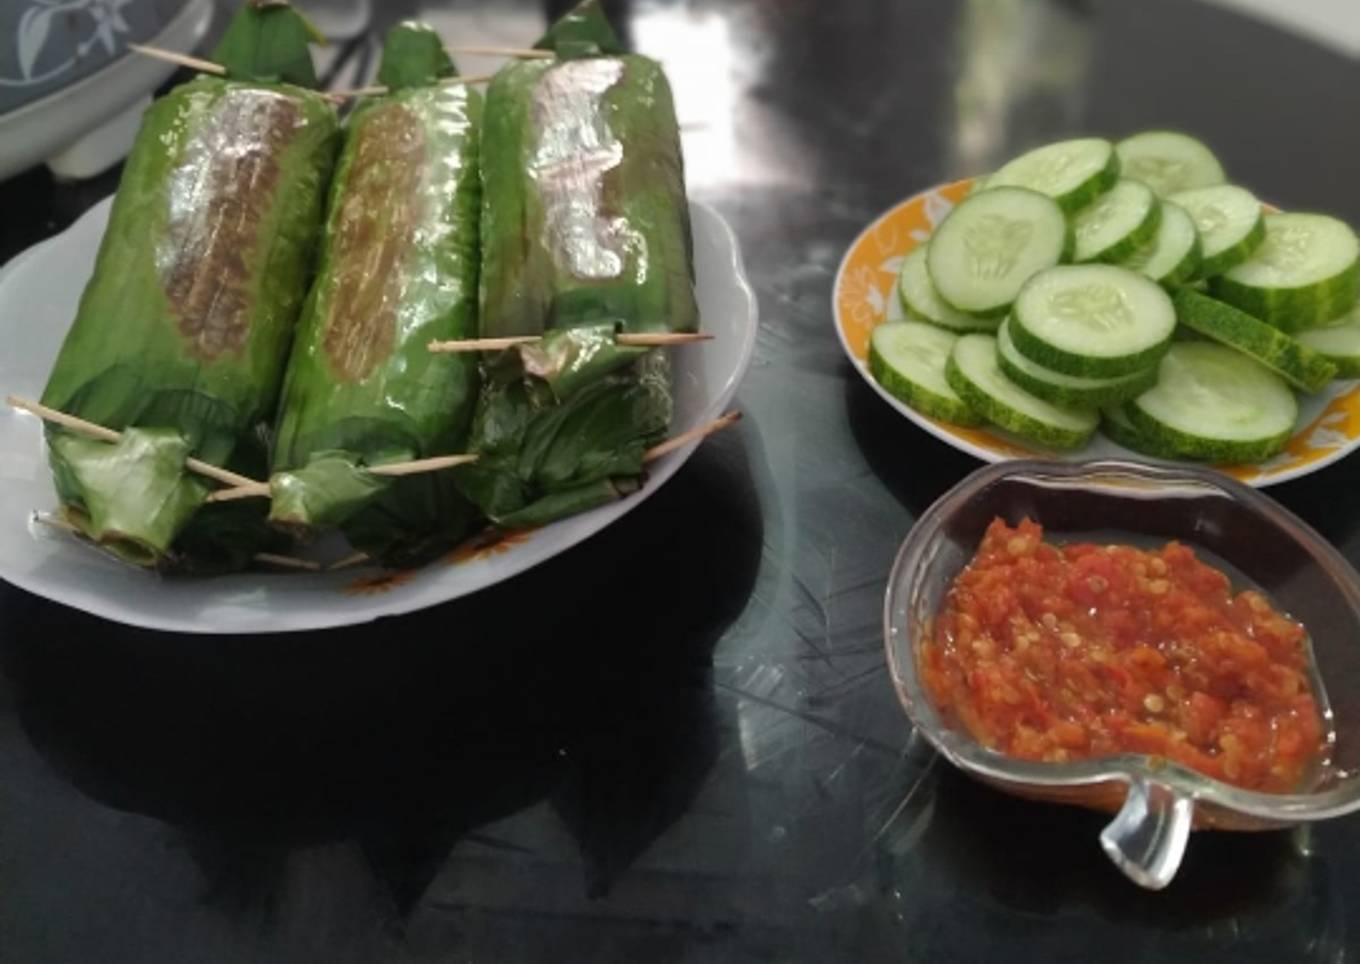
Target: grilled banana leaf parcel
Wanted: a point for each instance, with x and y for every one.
(399, 264)
(585, 234)
(182, 332)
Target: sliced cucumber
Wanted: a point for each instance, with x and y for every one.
(1306, 272)
(1169, 161)
(973, 373)
(991, 243)
(1117, 223)
(1298, 365)
(1338, 342)
(1070, 390)
(908, 358)
(1212, 402)
(920, 300)
(1173, 256)
(1092, 320)
(1073, 173)
(1118, 428)
(1230, 225)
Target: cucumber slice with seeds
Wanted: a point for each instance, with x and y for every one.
(1230, 224)
(1070, 390)
(1173, 255)
(907, 358)
(1117, 223)
(973, 373)
(1338, 342)
(991, 243)
(1116, 425)
(1212, 402)
(921, 301)
(1073, 173)
(1306, 272)
(1169, 161)
(1093, 320)
(1298, 365)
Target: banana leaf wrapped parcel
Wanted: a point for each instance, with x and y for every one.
(585, 234)
(182, 331)
(398, 269)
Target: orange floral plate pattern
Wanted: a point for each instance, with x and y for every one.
(865, 295)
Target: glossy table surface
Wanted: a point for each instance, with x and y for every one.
(677, 742)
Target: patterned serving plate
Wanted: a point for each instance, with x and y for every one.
(865, 296)
(38, 294)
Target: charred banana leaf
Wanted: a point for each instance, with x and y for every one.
(399, 266)
(585, 233)
(182, 331)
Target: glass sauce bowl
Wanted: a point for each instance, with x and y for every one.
(1158, 802)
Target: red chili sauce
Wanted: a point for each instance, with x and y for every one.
(1061, 653)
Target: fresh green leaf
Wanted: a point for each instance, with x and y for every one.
(414, 56)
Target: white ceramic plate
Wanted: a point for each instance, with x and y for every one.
(865, 295)
(39, 291)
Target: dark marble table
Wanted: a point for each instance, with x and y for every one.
(678, 741)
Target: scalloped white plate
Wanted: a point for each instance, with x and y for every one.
(39, 291)
(864, 296)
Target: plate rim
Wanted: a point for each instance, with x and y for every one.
(439, 585)
(1260, 480)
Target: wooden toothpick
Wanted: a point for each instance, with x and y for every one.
(287, 562)
(656, 340)
(349, 561)
(58, 523)
(377, 90)
(183, 60)
(225, 476)
(217, 70)
(522, 53)
(693, 435)
(260, 490)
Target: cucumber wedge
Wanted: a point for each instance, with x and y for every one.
(1338, 342)
(1116, 425)
(1173, 255)
(908, 358)
(1230, 224)
(973, 373)
(1212, 402)
(1169, 161)
(1306, 272)
(921, 301)
(1073, 173)
(1301, 367)
(1069, 390)
(991, 243)
(1092, 320)
(1117, 223)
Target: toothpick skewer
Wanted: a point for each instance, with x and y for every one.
(693, 435)
(260, 490)
(183, 60)
(217, 70)
(56, 522)
(377, 90)
(255, 490)
(225, 476)
(436, 464)
(655, 340)
(522, 53)
(349, 561)
(287, 562)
